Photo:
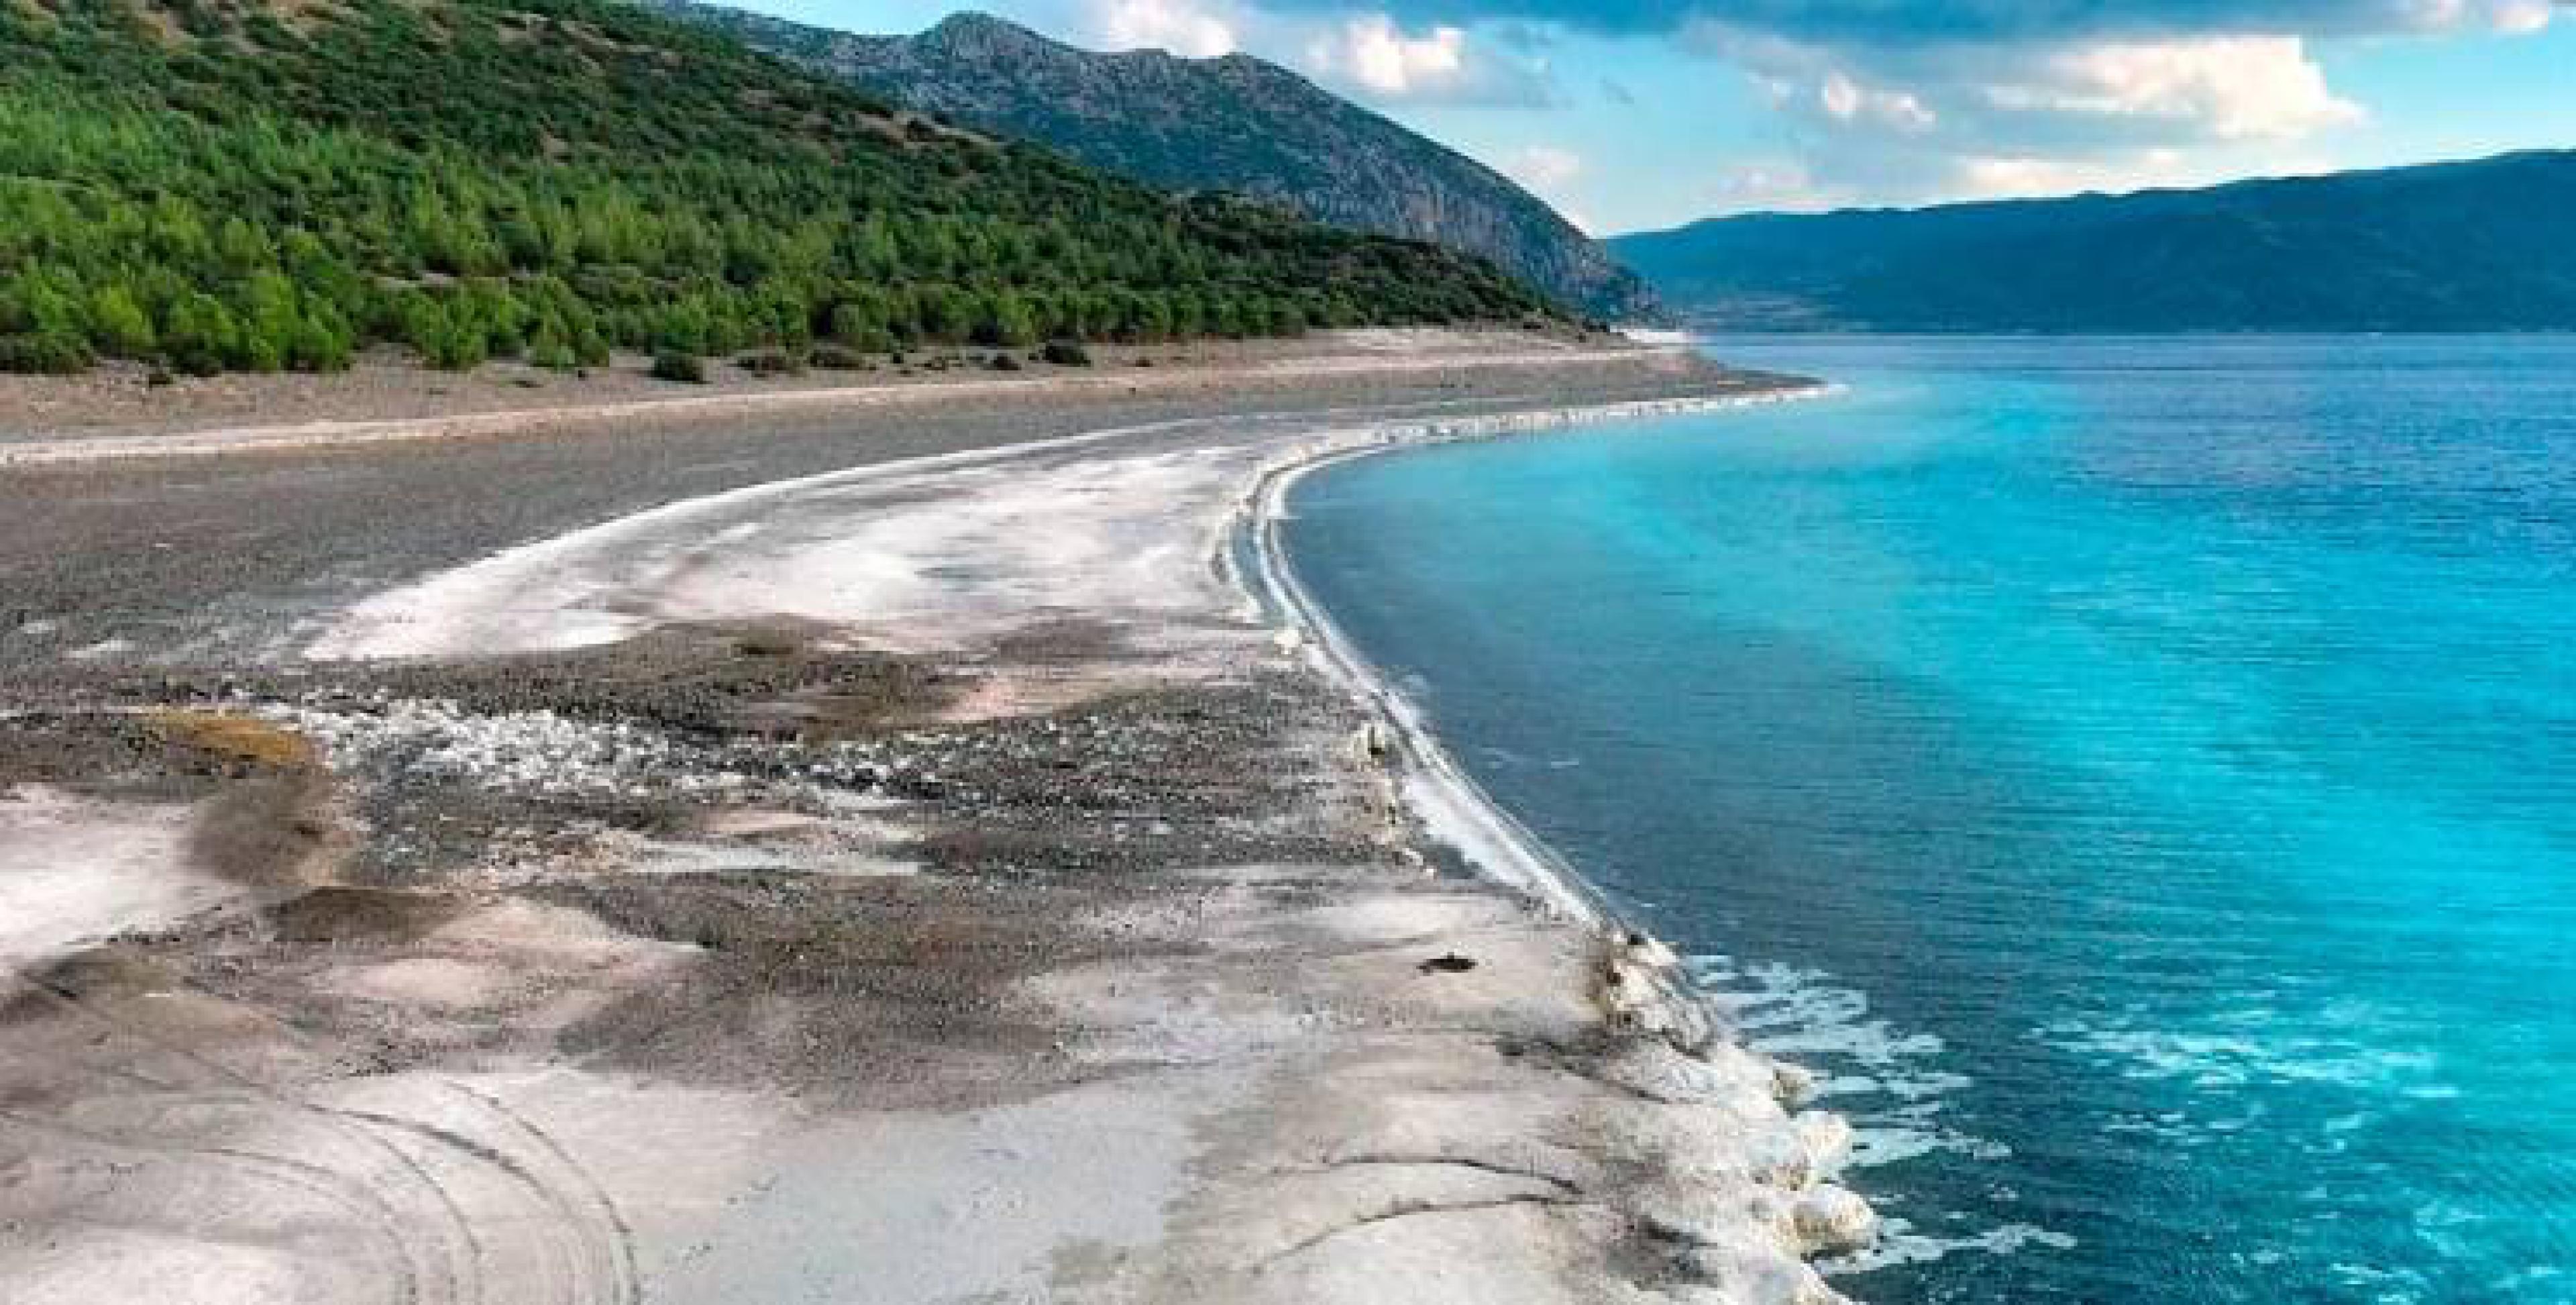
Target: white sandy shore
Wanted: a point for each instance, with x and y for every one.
(1277, 1103)
(1137, 529)
(1053, 533)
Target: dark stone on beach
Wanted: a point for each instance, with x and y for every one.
(346, 914)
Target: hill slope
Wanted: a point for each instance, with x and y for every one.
(2459, 246)
(231, 184)
(1234, 124)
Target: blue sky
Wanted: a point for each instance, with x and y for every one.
(1635, 114)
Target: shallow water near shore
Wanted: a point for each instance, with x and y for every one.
(2141, 774)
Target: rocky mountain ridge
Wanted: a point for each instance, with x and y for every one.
(1233, 123)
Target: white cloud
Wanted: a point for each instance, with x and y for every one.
(2234, 87)
(1175, 25)
(1373, 52)
(1987, 176)
(1849, 101)
(1374, 56)
(2019, 177)
(2521, 17)
(2509, 17)
(1924, 121)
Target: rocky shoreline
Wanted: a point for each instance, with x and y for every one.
(914, 880)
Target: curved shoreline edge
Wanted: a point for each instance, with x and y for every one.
(1775, 1186)
(1450, 802)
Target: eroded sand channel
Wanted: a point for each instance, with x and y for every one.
(930, 881)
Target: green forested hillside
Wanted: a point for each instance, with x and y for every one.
(230, 185)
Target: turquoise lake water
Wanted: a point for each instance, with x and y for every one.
(2140, 773)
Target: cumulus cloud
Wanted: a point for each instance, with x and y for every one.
(2510, 17)
(1373, 55)
(1890, 102)
(1982, 176)
(1363, 52)
(2234, 87)
(1880, 22)
(2522, 17)
(1179, 26)
(2037, 114)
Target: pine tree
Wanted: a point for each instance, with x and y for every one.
(199, 335)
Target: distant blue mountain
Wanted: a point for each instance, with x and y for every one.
(2484, 245)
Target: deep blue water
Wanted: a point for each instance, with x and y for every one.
(2141, 772)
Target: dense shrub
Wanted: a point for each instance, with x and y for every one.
(1065, 353)
(834, 358)
(674, 365)
(553, 355)
(771, 362)
(48, 354)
